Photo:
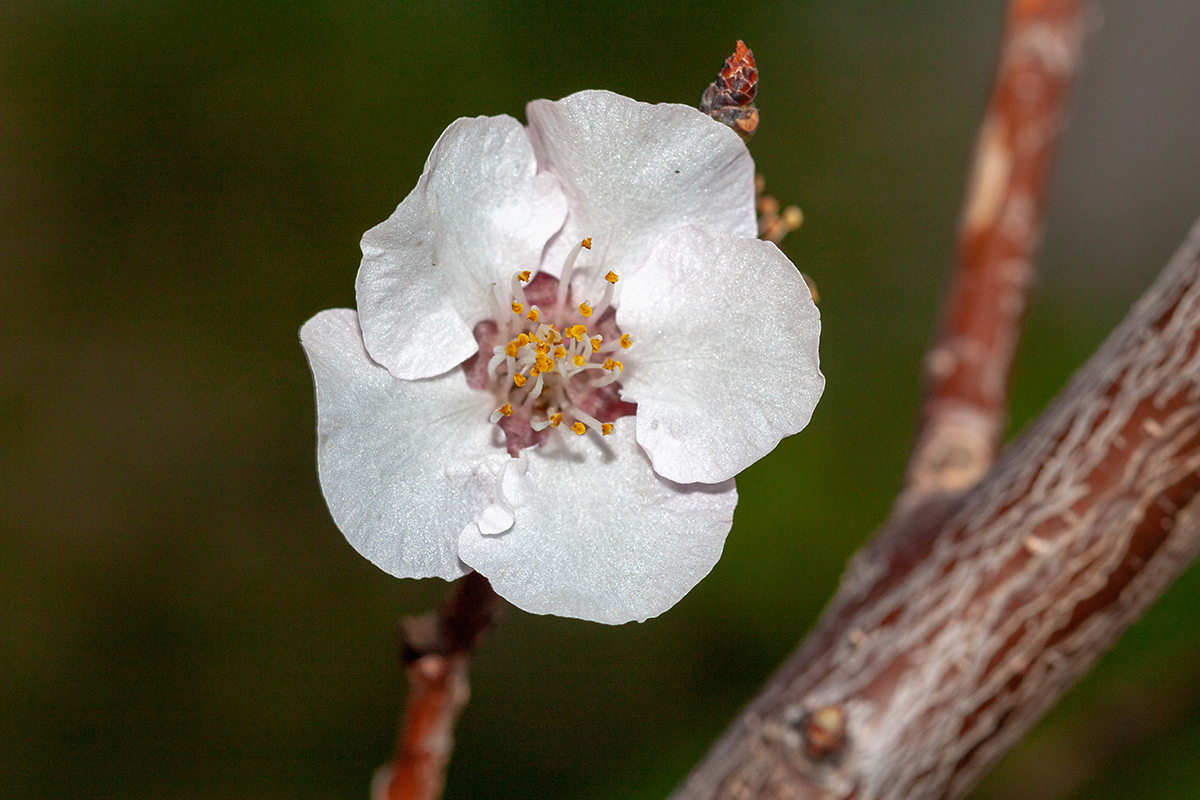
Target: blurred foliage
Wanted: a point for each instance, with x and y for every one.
(183, 184)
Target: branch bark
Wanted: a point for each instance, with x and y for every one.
(436, 650)
(994, 586)
(967, 368)
(969, 615)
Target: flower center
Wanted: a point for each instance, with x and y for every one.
(551, 362)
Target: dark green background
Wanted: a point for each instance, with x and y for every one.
(183, 184)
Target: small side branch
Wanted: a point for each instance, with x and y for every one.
(436, 650)
(967, 368)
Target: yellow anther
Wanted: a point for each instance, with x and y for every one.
(506, 410)
(532, 316)
(596, 342)
(519, 380)
(543, 348)
(510, 349)
(578, 361)
(586, 244)
(585, 310)
(576, 332)
(610, 365)
(523, 340)
(555, 420)
(625, 341)
(560, 352)
(611, 277)
(523, 277)
(606, 428)
(534, 372)
(543, 363)
(518, 308)
(579, 428)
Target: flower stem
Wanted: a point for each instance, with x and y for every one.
(436, 651)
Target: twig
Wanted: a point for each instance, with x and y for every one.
(436, 650)
(969, 616)
(967, 368)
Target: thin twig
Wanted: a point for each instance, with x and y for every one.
(967, 368)
(436, 650)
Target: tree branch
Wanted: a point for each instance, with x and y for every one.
(436, 650)
(968, 616)
(993, 587)
(967, 368)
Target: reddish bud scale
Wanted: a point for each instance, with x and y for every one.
(730, 98)
(739, 78)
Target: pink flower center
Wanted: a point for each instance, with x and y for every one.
(550, 361)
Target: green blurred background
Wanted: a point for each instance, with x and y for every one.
(183, 184)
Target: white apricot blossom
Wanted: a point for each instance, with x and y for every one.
(568, 341)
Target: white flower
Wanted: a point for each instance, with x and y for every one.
(475, 414)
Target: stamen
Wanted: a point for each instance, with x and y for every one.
(550, 362)
(564, 282)
(496, 301)
(518, 293)
(602, 306)
(587, 419)
(606, 380)
(495, 362)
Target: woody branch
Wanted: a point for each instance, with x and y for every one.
(969, 615)
(436, 650)
(993, 587)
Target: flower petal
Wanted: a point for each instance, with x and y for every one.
(597, 534)
(724, 362)
(403, 464)
(633, 171)
(479, 213)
